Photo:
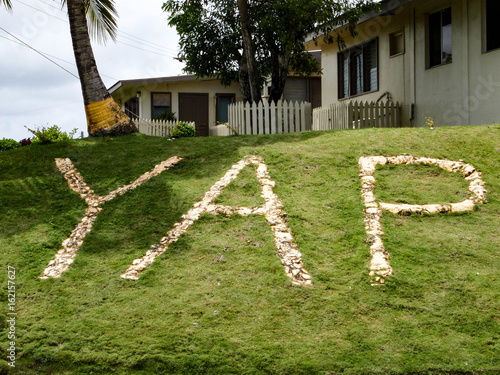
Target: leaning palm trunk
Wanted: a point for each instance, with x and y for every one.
(104, 115)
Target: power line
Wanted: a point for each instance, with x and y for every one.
(152, 45)
(128, 35)
(142, 49)
(40, 53)
(54, 57)
(52, 6)
(37, 109)
(39, 10)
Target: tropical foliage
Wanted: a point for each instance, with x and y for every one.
(51, 134)
(8, 144)
(251, 40)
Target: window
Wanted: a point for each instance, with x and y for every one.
(396, 43)
(161, 104)
(440, 38)
(223, 101)
(492, 29)
(358, 69)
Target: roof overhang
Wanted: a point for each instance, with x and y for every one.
(387, 8)
(146, 81)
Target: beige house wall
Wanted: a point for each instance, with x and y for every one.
(463, 92)
(210, 87)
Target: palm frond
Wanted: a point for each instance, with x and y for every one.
(7, 4)
(101, 17)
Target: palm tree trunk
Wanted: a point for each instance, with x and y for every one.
(104, 115)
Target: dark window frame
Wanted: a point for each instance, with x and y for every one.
(152, 102)
(132, 107)
(349, 55)
(217, 97)
(491, 27)
(394, 51)
(436, 23)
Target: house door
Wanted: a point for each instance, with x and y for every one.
(132, 108)
(194, 107)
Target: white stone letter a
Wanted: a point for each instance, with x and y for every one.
(272, 209)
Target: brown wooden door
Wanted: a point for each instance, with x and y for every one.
(194, 107)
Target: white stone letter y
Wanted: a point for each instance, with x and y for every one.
(66, 255)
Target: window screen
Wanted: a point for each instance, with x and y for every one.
(161, 103)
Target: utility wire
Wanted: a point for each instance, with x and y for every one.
(54, 57)
(39, 10)
(120, 33)
(154, 45)
(38, 109)
(41, 54)
(142, 49)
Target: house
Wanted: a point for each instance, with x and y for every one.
(301, 89)
(439, 58)
(204, 101)
(201, 100)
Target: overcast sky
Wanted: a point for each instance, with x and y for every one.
(34, 92)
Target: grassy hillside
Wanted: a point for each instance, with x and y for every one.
(195, 312)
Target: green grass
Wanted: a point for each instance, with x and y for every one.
(194, 312)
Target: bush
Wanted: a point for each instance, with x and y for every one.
(167, 116)
(51, 135)
(8, 144)
(183, 129)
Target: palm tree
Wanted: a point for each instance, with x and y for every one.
(104, 115)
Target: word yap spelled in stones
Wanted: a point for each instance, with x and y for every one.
(287, 249)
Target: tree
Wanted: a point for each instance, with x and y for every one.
(104, 115)
(248, 56)
(251, 40)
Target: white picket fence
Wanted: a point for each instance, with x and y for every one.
(158, 128)
(265, 118)
(357, 115)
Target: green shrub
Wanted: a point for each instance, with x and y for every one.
(8, 144)
(183, 129)
(167, 116)
(51, 135)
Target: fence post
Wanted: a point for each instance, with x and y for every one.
(295, 116)
(285, 116)
(308, 116)
(267, 122)
(379, 111)
(230, 119)
(279, 111)
(371, 114)
(273, 113)
(398, 115)
(248, 116)
(393, 115)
